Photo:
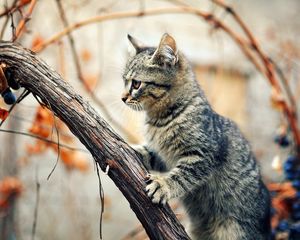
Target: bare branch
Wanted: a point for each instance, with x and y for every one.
(81, 77)
(247, 44)
(24, 20)
(43, 139)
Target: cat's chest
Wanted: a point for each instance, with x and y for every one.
(163, 140)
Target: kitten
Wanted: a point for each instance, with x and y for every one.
(206, 161)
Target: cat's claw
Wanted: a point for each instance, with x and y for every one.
(158, 189)
(148, 179)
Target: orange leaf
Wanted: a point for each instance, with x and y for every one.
(10, 185)
(37, 40)
(3, 114)
(67, 157)
(74, 160)
(282, 201)
(4, 202)
(81, 163)
(277, 100)
(25, 1)
(40, 130)
(36, 148)
(284, 190)
(43, 122)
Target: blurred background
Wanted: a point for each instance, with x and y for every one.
(68, 205)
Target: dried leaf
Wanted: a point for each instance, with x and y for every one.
(277, 100)
(43, 122)
(25, 1)
(282, 201)
(10, 185)
(42, 126)
(37, 40)
(3, 114)
(10, 188)
(37, 148)
(74, 160)
(81, 164)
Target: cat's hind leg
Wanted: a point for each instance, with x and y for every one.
(219, 230)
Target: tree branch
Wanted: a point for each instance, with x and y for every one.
(105, 145)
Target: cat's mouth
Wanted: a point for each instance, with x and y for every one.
(135, 105)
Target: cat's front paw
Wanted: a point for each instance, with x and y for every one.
(158, 189)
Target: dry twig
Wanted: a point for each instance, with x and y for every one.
(8, 10)
(37, 202)
(24, 20)
(271, 71)
(14, 8)
(84, 83)
(43, 139)
(245, 44)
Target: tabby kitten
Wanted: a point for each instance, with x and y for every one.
(206, 161)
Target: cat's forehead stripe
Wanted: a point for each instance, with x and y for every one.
(131, 74)
(134, 63)
(132, 67)
(128, 74)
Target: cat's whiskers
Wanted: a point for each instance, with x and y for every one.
(115, 103)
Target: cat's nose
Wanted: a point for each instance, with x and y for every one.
(124, 98)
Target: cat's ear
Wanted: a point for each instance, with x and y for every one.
(138, 45)
(166, 53)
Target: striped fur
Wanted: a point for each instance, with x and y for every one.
(206, 161)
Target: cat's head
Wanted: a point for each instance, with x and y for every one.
(149, 75)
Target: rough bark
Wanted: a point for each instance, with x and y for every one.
(104, 144)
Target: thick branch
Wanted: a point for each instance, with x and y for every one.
(104, 144)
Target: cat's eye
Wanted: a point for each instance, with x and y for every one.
(135, 84)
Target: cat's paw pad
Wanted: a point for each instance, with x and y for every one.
(158, 189)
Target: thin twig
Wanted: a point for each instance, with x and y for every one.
(7, 18)
(4, 27)
(101, 194)
(43, 139)
(12, 25)
(81, 77)
(13, 8)
(183, 9)
(286, 86)
(37, 201)
(57, 135)
(44, 126)
(270, 73)
(61, 60)
(71, 41)
(241, 42)
(24, 20)
(116, 15)
(267, 69)
(253, 43)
